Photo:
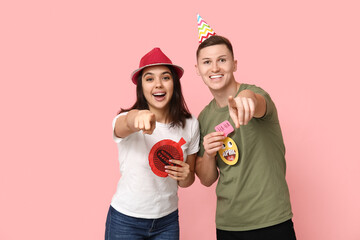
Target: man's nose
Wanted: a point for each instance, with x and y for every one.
(215, 67)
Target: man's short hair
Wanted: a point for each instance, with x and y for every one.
(215, 40)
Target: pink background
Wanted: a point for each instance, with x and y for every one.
(64, 70)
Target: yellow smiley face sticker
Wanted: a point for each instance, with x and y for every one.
(229, 152)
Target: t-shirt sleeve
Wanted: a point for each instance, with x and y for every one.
(270, 106)
(117, 139)
(195, 136)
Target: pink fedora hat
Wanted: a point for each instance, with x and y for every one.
(153, 58)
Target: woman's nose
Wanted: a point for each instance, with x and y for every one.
(158, 82)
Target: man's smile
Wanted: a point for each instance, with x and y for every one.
(216, 76)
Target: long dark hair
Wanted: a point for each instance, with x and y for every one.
(178, 110)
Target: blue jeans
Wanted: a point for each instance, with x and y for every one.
(123, 227)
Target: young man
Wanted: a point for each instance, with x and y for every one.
(252, 195)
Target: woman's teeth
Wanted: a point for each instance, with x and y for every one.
(159, 94)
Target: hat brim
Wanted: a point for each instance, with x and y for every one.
(134, 75)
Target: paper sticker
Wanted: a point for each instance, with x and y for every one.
(225, 127)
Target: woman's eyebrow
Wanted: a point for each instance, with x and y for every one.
(148, 73)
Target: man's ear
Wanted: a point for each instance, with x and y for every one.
(235, 65)
(197, 70)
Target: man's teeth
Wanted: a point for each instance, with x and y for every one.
(216, 76)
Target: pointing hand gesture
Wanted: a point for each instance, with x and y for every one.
(241, 109)
(145, 121)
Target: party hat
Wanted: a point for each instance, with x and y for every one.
(205, 31)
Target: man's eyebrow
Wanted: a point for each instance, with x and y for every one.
(206, 58)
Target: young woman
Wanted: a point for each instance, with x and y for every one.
(145, 204)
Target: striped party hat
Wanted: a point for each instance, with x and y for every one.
(205, 31)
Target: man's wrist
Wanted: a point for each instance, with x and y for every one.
(209, 157)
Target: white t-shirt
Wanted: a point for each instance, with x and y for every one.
(140, 193)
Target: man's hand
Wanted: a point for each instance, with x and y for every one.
(241, 109)
(213, 142)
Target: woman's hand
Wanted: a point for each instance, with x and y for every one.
(179, 172)
(145, 121)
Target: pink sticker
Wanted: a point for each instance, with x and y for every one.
(225, 127)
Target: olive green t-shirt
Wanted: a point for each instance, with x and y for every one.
(253, 193)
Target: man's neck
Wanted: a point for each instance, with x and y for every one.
(221, 96)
